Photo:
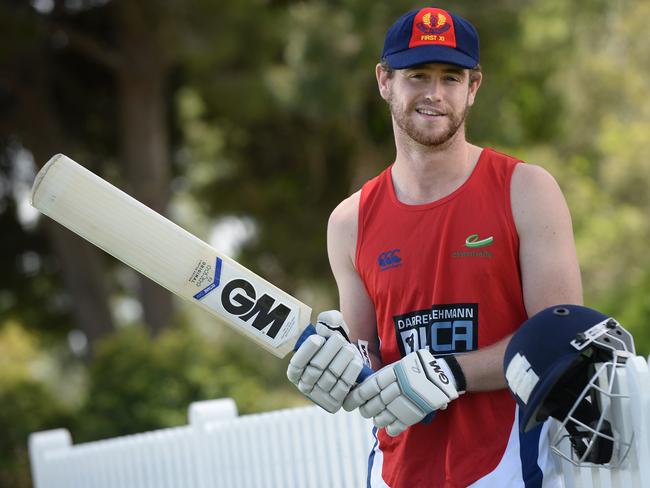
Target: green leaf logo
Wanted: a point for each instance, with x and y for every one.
(474, 242)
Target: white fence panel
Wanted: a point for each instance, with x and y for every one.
(632, 416)
(293, 448)
(302, 447)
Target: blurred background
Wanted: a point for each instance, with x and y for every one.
(247, 121)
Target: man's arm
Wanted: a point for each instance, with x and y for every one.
(326, 366)
(549, 265)
(355, 304)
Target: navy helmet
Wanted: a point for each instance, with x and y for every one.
(551, 367)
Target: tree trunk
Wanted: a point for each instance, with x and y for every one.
(144, 140)
(84, 276)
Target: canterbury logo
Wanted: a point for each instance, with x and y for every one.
(389, 259)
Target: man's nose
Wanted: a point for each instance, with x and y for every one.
(433, 91)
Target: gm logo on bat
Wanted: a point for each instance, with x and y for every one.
(239, 298)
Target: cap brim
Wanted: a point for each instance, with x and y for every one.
(430, 54)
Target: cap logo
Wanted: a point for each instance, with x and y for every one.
(433, 26)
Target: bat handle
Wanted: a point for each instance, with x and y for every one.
(365, 372)
(311, 330)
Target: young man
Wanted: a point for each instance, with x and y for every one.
(438, 260)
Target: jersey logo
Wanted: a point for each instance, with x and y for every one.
(389, 259)
(475, 247)
(443, 329)
(473, 241)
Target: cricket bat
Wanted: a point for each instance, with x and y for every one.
(172, 257)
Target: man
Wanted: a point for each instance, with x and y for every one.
(438, 260)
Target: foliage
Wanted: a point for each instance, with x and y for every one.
(29, 274)
(27, 402)
(598, 155)
(134, 384)
(138, 384)
(274, 118)
(27, 406)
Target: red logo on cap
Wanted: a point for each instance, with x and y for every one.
(433, 26)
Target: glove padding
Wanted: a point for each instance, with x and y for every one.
(403, 393)
(326, 366)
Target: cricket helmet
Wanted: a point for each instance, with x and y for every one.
(562, 363)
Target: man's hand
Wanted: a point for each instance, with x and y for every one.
(403, 393)
(325, 367)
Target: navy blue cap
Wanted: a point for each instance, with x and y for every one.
(431, 35)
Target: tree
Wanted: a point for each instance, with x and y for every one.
(116, 55)
(598, 155)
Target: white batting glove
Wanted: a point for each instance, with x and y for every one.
(325, 367)
(403, 393)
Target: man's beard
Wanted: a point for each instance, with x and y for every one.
(427, 137)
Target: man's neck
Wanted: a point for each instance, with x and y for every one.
(423, 174)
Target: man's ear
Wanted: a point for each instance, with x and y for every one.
(383, 82)
(473, 87)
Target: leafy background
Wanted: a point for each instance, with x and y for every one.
(247, 122)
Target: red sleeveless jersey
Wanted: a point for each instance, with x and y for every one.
(444, 275)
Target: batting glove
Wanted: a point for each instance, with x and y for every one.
(403, 393)
(325, 367)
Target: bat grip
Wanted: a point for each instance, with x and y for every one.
(365, 372)
(311, 330)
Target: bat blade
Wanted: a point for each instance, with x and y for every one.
(169, 255)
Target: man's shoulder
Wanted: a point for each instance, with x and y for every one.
(342, 234)
(346, 214)
(531, 176)
(501, 160)
(534, 193)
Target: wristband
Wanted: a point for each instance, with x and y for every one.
(450, 366)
